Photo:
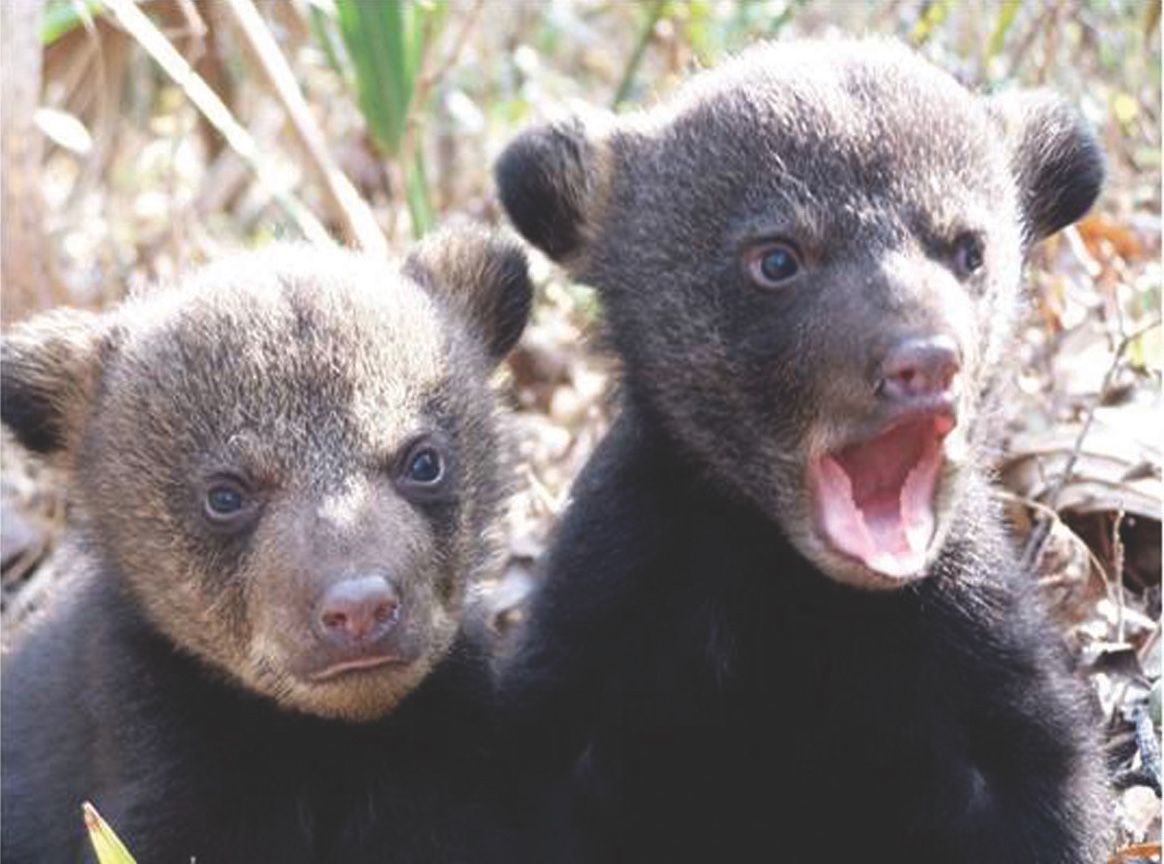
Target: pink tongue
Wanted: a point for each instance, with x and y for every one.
(875, 499)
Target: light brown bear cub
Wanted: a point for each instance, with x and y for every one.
(286, 474)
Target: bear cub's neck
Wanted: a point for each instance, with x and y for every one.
(698, 504)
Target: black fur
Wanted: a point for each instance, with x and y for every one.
(704, 676)
(554, 157)
(712, 697)
(1057, 160)
(187, 767)
(30, 416)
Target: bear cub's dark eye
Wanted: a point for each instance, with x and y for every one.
(772, 264)
(424, 473)
(225, 500)
(425, 467)
(968, 254)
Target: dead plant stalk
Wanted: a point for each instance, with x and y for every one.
(357, 216)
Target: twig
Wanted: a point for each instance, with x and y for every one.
(1151, 18)
(1117, 555)
(1038, 537)
(1118, 694)
(110, 54)
(1148, 774)
(654, 13)
(424, 83)
(196, 28)
(217, 114)
(27, 264)
(1018, 55)
(1149, 745)
(1053, 519)
(1146, 647)
(427, 79)
(1135, 850)
(194, 49)
(359, 221)
(542, 494)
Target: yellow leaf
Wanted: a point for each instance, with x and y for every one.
(1125, 108)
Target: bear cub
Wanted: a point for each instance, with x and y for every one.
(781, 619)
(286, 475)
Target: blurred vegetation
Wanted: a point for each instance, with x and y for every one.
(412, 99)
(142, 139)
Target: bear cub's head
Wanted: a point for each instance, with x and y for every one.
(810, 258)
(292, 460)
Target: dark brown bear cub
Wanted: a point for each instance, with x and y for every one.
(286, 475)
(781, 620)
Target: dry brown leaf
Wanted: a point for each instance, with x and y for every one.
(1097, 228)
(1118, 467)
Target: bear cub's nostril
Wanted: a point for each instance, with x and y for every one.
(360, 609)
(918, 367)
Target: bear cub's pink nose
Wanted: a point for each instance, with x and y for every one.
(919, 367)
(357, 610)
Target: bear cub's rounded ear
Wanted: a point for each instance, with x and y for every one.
(482, 276)
(1055, 158)
(549, 179)
(49, 368)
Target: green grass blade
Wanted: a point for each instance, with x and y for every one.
(416, 194)
(373, 34)
(106, 844)
(427, 19)
(1001, 28)
(63, 16)
(325, 31)
(386, 43)
(932, 16)
(646, 32)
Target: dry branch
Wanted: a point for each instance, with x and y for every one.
(206, 101)
(24, 272)
(1038, 536)
(357, 216)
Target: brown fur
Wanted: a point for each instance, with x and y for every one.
(308, 372)
(183, 655)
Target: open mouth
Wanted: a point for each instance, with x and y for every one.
(875, 498)
(360, 663)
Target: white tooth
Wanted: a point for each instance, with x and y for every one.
(896, 565)
(916, 502)
(956, 448)
(918, 533)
